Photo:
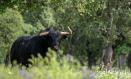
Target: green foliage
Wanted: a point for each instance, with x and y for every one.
(11, 26)
(54, 68)
(123, 49)
(53, 59)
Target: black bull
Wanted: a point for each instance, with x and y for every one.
(25, 46)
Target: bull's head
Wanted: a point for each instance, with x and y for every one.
(54, 37)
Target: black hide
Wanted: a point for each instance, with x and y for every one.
(25, 46)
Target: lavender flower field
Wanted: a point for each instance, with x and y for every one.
(54, 68)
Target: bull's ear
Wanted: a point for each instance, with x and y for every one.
(64, 34)
(44, 33)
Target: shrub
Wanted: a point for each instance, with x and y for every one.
(11, 26)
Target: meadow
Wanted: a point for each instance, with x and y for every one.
(59, 67)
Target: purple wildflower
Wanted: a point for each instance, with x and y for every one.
(91, 75)
(24, 74)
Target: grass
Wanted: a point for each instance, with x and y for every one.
(59, 67)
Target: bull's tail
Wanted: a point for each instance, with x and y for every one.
(7, 59)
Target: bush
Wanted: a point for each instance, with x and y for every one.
(49, 67)
(11, 27)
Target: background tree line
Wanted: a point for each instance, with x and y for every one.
(97, 25)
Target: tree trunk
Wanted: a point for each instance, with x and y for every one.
(107, 57)
(122, 61)
(129, 61)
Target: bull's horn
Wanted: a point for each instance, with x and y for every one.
(44, 33)
(64, 33)
(67, 33)
(70, 30)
